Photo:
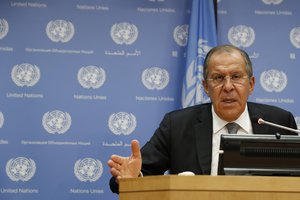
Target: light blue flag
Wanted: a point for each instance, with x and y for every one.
(202, 37)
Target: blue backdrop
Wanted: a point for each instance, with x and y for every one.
(270, 32)
(80, 79)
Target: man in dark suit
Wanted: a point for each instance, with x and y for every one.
(188, 139)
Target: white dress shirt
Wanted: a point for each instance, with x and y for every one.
(219, 127)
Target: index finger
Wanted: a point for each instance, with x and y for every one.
(117, 159)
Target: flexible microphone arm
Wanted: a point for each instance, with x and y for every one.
(261, 121)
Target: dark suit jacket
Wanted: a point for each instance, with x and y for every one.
(183, 141)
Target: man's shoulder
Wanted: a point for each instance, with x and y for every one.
(265, 107)
(192, 109)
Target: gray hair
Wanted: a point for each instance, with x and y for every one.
(228, 49)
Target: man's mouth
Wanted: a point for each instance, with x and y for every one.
(229, 100)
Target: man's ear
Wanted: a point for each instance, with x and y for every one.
(205, 86)
(251, 83)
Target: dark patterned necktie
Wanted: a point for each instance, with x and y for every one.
(232, 128)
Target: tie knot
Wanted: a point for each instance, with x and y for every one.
(232, 127)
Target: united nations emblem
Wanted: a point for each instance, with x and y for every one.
(192, 90)
(56, 122)
(60, 31)
(295, 37)
(241, 36)
(203, 48)
(3, 28)
(20, 169)
(273, 80)
(1, 119)
(88, 169)
(122, 123)
(25, 75)
(180, 34)
(91, 77)
(124, 33)
(275, 2)
(155, 78)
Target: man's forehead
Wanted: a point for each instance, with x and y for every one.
(233, 62)
(232, 52)
(223, 57)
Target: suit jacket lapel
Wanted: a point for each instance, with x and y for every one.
(203, 134)
(255, 114)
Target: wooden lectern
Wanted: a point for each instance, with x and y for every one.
(174, 187)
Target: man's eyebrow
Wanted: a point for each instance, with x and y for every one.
(231, 72)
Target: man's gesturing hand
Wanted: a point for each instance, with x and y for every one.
(127, 167)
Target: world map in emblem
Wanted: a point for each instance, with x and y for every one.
(155, 78)
(241, 36)
(275, 2)
(180, 34)
(1, 119)
(203, 47)
(20, 169)
(273, 80)
(3, 28)
(122, 123)
(91, 77)
(56, 122)
(88, 169)
(295, 37)
(60, 31)
(25, 75)
(124, 33)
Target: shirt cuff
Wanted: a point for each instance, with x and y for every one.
(141, 174)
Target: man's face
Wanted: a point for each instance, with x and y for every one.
(229, 98)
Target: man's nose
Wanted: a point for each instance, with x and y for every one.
(227, 84)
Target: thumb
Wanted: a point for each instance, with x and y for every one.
(135, 149)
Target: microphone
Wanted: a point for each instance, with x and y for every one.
(261, 121)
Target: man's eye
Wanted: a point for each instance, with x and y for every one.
(236, 77)
(218, 78)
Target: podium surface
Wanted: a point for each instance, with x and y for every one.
(210, 188)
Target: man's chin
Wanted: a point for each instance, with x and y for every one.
(229, 105)
(229, 116)
(229, 112)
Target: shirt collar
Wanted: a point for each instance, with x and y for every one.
(243, 121)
